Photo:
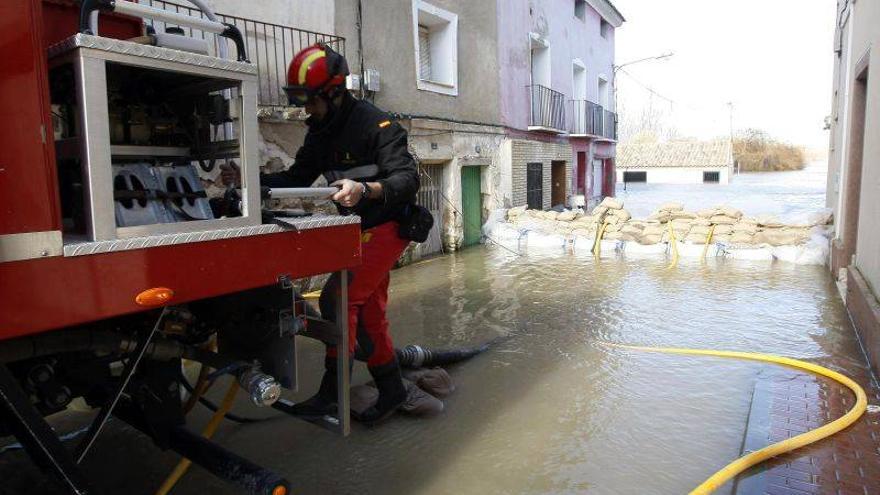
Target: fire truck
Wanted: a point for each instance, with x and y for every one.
(116, 264)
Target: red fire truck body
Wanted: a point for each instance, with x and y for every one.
(70, 285)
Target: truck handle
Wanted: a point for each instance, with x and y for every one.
(147, 12)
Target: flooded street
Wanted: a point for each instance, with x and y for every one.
(785, 194)
(549, 409)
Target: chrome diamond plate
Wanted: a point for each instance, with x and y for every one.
(283, 225)
(80, 40)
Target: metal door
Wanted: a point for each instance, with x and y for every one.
(471, 205)
(430, 196)
(535, 186)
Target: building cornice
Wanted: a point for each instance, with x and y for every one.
(608, 12)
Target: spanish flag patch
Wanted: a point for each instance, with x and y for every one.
(384, 124)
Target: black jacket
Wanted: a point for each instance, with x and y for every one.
(360, 135)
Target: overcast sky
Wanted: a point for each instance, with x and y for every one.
(772, 58)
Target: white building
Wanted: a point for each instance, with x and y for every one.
(854, 167)
(675, 162)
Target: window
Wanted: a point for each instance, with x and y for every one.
(605, 28)
(603, 92)
(580, 9)
(436, 48)
(711, 176)
(635, 177)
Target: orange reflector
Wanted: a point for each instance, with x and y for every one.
(279, 490)
(156, 296)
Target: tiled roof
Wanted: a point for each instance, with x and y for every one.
(676, 154)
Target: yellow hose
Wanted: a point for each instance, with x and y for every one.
(708, 241)
(208, 432)
(315, 294)
(738, 466)
(597, 245)
(672, 242)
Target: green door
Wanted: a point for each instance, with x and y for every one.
(471, 205)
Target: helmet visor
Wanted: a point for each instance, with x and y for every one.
(297, 95)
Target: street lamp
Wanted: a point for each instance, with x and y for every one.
(616, 68)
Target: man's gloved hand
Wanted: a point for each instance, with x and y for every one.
(350, 192)
(230, 174)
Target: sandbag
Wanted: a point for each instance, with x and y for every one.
(612, 203)
(702, 230)
(671, 206)
(654, 230)
(621, 214)
(730, 212)
(781, 237)
(599, 211)
(583, 233)
(632, 229)
(742, 238)
(681, 224)
(612, 236)
(661, 217)
(721, 238)
(748, 228)
(551, 215)
(516, 212)
(649, 239)
(679, 215)
(613, 227)
(695, 238)
(707, 213)
(722, 220)
(723, 229)
(566, 216)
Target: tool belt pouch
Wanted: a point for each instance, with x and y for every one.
(415, 223)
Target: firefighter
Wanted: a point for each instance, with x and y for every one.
(362, 152)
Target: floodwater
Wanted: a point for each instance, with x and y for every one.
(785, 194)
(549, 409)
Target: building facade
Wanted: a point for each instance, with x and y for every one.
(507, 102)
(675, 162)
(854, 167)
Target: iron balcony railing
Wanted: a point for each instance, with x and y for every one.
(588, 118)
(548, 108)
(270, 46)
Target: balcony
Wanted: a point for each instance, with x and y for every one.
(547, 109)
(589, 119)
(270, 47)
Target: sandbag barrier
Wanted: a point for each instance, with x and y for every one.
(721, 231)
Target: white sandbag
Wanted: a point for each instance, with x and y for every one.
(738, 238)
(538, 240)
(730, 212)
(622, 215)
(671, 206)
(702, 230)
(679, 215)
(566, 216)
(748, 228)
(599, 211)
(612, 203)
(695, 238)
(632, 229)
(722, 220)
(516, 212)
(638, 248)
(648, 239)
(707, 213)
(661, 217)
(753, 254)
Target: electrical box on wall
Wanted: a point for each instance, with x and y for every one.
(371, 80)
(353, 82)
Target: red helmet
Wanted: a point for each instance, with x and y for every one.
(315, 70)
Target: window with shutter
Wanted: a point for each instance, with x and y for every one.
(424, 53)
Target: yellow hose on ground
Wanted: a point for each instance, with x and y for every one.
(738, 466)
(674, 244)
(597, 245)
(208, 432)
(708, 241)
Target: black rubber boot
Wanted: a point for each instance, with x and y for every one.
(392, 393)
(324, 402)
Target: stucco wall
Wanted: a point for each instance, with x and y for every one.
(866, 43)
(569, 38)
(388, 46)
(311, 15)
